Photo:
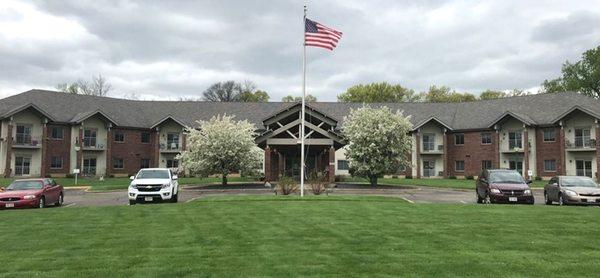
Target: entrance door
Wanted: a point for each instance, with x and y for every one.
(428, 168)
(516, 165)
(89, 166)
(583, 168)
(22, 165)
(292, 166)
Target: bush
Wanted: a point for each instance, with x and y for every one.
(469, 177)
(47, 176)
(408, 177)
(538, 178)
(394, 177)
(340, 178)
(452, 177)
(69, 176)
(318, 183)
(286, 185)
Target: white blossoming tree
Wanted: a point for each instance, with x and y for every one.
(379, 141)
(221, 146)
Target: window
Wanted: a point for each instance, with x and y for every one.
(343, 165)
(428, 142)
(459, 139)
(22, 165)
(119, 137)
(459, 166)
(582, 137)
(549, 135)
(144, 163)
(56, 162)
(145, 137)
(23, 135)
(515, 140)
(117, 163)
(486, 138)
(57, 133)
(172, 163)
(172, 141)
(89, 137)
(550, 165)
(486, 164)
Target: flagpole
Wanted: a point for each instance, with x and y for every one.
(303, 100)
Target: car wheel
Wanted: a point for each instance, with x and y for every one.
(547, 199)
(174, 198)
(561, 202)
(487, 199)
(131, 202)
(479, 200)
(42, 203)
(61, 200)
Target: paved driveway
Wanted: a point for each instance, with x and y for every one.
(79, 198)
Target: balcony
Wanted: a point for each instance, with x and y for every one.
(26, 141)
(91, 144)
(170, 148)
(431, 149)
(581, 145)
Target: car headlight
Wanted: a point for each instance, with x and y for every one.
(495, 191)
(166, 185)
(527, 192)
(29, 197)
(133, 185)
(570, 193)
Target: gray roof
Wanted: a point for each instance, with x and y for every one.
(540, 109)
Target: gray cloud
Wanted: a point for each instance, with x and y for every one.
(167, 49)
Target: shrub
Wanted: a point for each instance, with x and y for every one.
(69, 176)
(469, 177)
(452, 177)
(47, 176)
(394, 177)
(408, 177)
(538, 178)
(340, 178)
(318, 183)
(287, 185)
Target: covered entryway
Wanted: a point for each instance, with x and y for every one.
(281, 142)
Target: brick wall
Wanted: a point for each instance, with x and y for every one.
(132, 151)
(472, 152)
(547, 151)
(60, 148)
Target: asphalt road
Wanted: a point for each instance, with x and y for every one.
(80, 198)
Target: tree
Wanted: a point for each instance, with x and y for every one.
(445, 94)
(221, 146)
(256, 96)
(490, 94)
(378, 92)
(290, 98)
(223, 91)
(582, 76)
(98, 86)
(378, 141)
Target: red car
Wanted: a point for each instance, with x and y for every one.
(37, 193)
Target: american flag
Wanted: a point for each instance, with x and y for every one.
(319, 35)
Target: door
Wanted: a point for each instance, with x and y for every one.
(428, 168)
(583, 168)
(22, 165)
(292, 166)
(516, 165)
(89, 166)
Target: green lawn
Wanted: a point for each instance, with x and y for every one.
(445, 183)
(285, 236)
(122, 183)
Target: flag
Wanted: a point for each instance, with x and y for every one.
(319, 35)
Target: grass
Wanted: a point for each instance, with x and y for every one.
(316, 236)
(443, 183)
(122, 183)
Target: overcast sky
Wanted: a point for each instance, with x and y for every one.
(172, 49)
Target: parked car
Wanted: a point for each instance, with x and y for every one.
(153, 184)
(31, 193)
(571, 190)
(503, 186)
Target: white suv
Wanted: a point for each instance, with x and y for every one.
(153, 184)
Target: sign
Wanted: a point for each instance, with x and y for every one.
(75, 171)
(529, 173)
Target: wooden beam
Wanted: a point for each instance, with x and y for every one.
(290, 141)
(281, 116)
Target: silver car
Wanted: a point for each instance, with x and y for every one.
(572, 190)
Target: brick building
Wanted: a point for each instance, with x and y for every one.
(49, 133)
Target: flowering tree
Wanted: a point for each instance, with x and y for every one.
(221, 146)
(379, 141)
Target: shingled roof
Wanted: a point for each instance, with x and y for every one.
(540, 109)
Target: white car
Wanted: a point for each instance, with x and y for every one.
(153, 184)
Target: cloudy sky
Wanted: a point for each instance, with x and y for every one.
(172, 49)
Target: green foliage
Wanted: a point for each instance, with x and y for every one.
(408, 177)
(490, 94)
(469, 177)
(221, 146)
(290, 98)
(452, 177)
(538, 178)
(379, 141)
(378, 92)
(286, 185)
(582, 76)
(257, 96)
(445, 94)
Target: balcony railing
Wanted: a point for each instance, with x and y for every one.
(170, 147)
(26, 140)
(432, 148)
(93, 144)
(581, 143)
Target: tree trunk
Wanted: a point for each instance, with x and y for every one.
(373, 180)
(224, 180)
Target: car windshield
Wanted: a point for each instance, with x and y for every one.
(506, 177)
(578, 181)
(153, 174)
(24, 185)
